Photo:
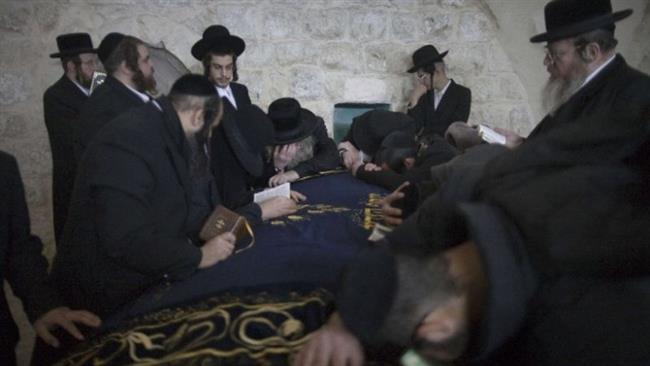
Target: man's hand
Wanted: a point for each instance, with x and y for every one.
(393, 215)
(277, 207)
(282, 155)
(370, 167)
(419, 90)
(282, 178)
(217, 249)
(65, 318)
(350, 155)
(298, 197)
(512, 138)
(331, 345)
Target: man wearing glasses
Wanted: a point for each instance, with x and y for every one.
(585, 72)
(62, 103)
(436, 101)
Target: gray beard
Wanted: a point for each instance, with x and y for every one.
(557, 91)
(304, 152)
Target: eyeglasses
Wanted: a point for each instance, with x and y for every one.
(554, 55)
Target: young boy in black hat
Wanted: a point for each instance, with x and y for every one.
(436, 101)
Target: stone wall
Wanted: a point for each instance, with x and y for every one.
(321, 52)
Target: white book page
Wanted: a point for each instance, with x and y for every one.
(491, 136)
(283, 190)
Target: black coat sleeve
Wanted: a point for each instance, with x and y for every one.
(421, 110)
(26, 267)
(127, 232)
(326, 156)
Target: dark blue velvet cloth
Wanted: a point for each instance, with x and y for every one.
(308, 249)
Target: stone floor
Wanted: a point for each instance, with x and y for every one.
(24, 349)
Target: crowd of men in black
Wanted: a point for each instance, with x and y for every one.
(535, 252)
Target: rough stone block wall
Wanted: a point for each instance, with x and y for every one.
(320, 51)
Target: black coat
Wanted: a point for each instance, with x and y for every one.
(326, 157)
(62, 103)
(129, 221)
(21, 261)
(454, 106)
(233, 183)
(108, 101)
(240, 92)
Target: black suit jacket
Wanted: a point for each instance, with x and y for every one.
(62, 103)
(129, 221)
(454, 106)
(21, 261)
(233, 183)
(108, 101)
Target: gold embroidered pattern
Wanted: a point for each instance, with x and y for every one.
(224, 327)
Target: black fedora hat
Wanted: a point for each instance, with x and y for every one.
(217, 38)
(249, 131)
(424, 56)
(291, 122)
(568, 18)
(71, 44)
(108, 45)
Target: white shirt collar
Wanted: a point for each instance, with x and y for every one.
(83, 90)
(145, 97)
(227, 92)
(598, 70)
(437, 96)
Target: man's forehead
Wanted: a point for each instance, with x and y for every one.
(222, 60)
(86, 56)
(143, 50)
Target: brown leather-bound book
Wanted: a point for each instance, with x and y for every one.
(223, 220)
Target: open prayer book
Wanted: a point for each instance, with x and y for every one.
(283, 190)
(491, 136)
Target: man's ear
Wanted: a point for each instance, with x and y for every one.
(443, 322)
(198, 116)
(591, 52)
(70, 67)
(409, 163)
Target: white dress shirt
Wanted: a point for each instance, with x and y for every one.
(227, 92)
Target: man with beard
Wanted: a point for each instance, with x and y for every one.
(554, 233)
(130, 78)
(62, 103)
(133, 218)
(301, 147)
(586, 75)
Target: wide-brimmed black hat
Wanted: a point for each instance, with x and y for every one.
(426, 55)
(249, 131)
(370, 128)
(108, 45)
(291, 122)
(568, 18)
(217, 38)
(71, 44)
